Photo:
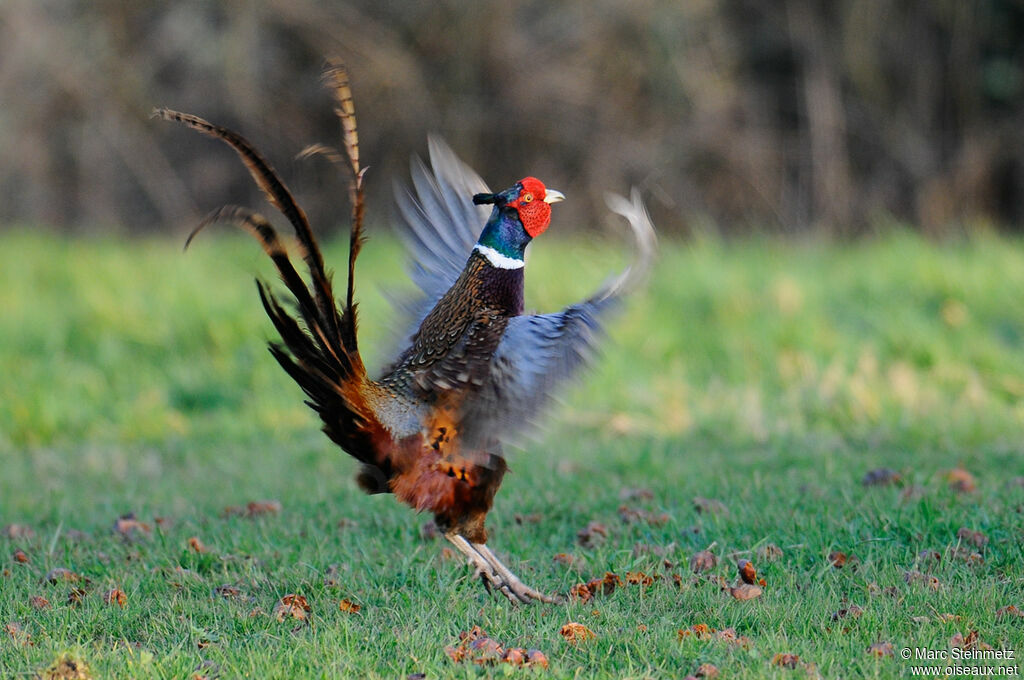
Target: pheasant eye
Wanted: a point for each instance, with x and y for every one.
(527, 198)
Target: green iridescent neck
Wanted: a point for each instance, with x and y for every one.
(504, 234)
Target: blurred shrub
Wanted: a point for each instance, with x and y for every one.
(793, 115)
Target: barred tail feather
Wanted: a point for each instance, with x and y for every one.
(336, 77)
(281, 198)
(318, 347)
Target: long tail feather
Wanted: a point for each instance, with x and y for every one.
(318, 345)
(280, 197)
(336, 78)
(264, 232)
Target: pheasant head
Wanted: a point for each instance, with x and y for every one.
(521, 213)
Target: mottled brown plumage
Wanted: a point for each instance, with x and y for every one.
(475, 370)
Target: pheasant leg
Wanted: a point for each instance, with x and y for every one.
(520, 589)
(494, 574)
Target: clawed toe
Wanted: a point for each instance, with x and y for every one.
(495, 575)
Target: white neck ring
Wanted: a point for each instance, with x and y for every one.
(497, 259)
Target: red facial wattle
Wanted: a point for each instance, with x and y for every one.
(534, 211)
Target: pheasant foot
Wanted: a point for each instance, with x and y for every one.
(496, 575)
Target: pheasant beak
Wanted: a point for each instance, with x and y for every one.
(553, 196)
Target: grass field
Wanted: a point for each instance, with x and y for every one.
(767, 376)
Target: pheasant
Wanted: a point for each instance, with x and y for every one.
(475, 370)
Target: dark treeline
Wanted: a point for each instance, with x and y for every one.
(793, 116)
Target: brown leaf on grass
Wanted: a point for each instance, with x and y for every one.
(913, 576)
(260, 508)
(115, 596)
(881, 477)
(476, 646)
(635, 494)
(593, 534)
(700, 631)
(959, 552)
(929, 556)
(975, 538)
(252, 509)
(129, 527)
(485, 651)
(881, 649)
(196, 545)
(472, 634)
(709, 506)
(769, 552)
(76, 596)
(581, 592)
(61, 575)
(1011, 610)
(292, 605)
(707, 670)
(227, 591)
(971, 641)
(745, 591)
(748, 574)
(729, 636)
(532, 518)
(575, 633)
(20, 557)
(566, 559)
(946, 617)
(960, 480)
(332, 578)
(786, 660)
(704, 560)
(66, 667)
(605, 585)
(18, 634)
(874, 590)
(535, 657)
(38, 602)
(853, 612)
(838, 559)
(639, 578)
(18, 531)
(447, 554)
(632, 515)
(515, 656)
(349, 607)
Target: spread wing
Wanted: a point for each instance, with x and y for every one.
(538, 353)
(439, 225)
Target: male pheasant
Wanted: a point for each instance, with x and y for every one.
(475, 370)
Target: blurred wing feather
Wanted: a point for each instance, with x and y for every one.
(538, 353)
(439, 225)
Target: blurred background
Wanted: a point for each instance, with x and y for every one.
(730, 115)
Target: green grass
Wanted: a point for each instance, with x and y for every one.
(767, 375)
